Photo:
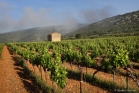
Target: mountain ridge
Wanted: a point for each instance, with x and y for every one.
(34, 34)
(117, 25)
(126, 23)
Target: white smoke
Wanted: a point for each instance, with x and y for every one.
(43, 17)
(94, 15)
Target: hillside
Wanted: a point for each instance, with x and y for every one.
(126, 24)
(35, 34)
(117, 25)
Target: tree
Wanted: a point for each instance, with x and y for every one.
(78, 36)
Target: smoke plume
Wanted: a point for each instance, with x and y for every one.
(94, 15)
(43, 17)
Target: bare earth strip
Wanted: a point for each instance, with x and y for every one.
(12, 78)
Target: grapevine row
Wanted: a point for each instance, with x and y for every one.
(114, 52)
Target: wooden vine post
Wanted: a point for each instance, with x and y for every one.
(126, 79)
(81, 79)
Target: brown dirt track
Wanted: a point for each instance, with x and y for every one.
(12, 78)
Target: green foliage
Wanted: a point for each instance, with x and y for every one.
(52, 62)
(84, 52)
(78, 36)
(136, 55)
(95, 52)
(58, 73)
(70, 55)
(86, 59)
(120, 58)
(78, 56)
(106, 65)
(45, 60)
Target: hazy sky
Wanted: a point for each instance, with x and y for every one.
(23, 14)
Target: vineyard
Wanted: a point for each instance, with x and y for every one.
(1, 47)
(111, 64)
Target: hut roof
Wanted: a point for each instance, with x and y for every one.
(53, 33)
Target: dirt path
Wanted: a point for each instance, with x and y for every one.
(12, 78)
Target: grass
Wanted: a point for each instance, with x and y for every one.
(1, 47)
(106, 85)
(37, 81)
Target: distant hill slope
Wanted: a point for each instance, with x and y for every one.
(126, 23)
(34, 34)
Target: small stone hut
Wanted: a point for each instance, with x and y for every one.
(55, 36)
